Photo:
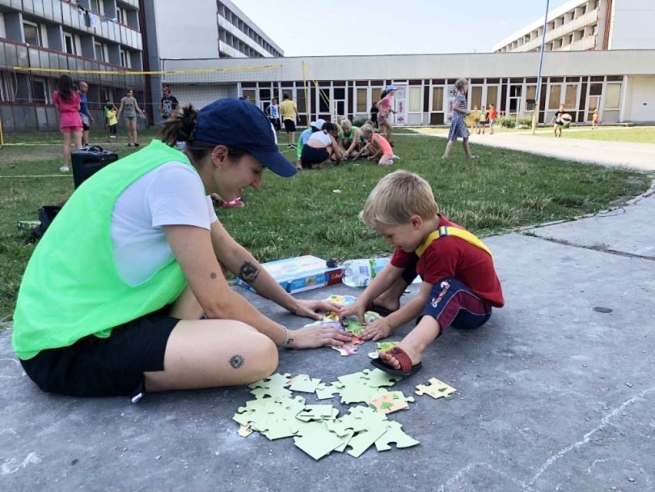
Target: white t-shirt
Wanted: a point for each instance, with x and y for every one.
(172, 194)
(322, 137)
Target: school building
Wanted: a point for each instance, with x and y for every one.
(620, 83)
(580, 25)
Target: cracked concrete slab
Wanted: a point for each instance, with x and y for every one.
(624, 230)
(552, 395)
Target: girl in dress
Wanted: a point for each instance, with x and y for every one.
(458, 127)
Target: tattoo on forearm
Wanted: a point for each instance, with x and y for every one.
(212, 275)
(236, 361)
(248, 272)
(289, 341)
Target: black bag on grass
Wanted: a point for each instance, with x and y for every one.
(47, 214)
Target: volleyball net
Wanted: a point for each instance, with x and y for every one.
(26, 104)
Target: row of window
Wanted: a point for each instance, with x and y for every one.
(239, 23)
(566, 18)
(236, 43)
(33, 35)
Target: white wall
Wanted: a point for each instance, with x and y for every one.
(186, 31)
(451, 66)
(201, 95)
(640, 100)
(3, 33)
(633, 25)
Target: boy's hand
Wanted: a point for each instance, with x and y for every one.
(377, 330)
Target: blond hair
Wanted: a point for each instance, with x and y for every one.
(396, 198)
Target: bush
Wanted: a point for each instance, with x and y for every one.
(506, 122)
(525, 122)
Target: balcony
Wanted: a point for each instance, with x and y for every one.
(231, 28)
(68, 15)
(588, 19)
(584, 44)
(226, 48)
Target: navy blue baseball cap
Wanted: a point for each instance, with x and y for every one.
(240, 124)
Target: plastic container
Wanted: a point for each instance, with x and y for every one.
(359, 273)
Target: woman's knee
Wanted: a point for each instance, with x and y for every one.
(265, 352)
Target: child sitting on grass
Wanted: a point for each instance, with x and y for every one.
(460, 285)
(378, 147)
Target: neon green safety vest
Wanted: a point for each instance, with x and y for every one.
(71, 288)
(444, 231)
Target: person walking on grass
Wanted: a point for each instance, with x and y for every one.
(85, 114)
(557, 121)
(67, 104)
(460, 285)
(289, 113)
(130, 108)
(385, 108)
(493, 114)
(594, 120)
(273, 113)
(136, 300)
(458, 127)
(168, 103)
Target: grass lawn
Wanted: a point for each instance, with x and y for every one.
(642, 134)
(317, 211)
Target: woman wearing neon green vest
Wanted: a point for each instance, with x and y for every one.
(112, 299)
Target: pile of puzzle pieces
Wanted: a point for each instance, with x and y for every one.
(350, 324)
(317, 429)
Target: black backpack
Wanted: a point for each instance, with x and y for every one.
(47, 214)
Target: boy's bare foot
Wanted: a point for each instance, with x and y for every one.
(393, 362)
(473, 157)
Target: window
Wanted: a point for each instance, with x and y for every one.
(125, 59)
(476, 96)
(362, 103)
(121, 15)
(39, 90)
(613, 96)
(492, 95)
(100, 52)
(32, 33)
(94, 6)
(69, 44)
(415, 99)
(375, 94)
(555, 93)
(571, 96)
(437, 99)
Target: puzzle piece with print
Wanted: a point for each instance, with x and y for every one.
(390, 402)
(354, 326)
(436, 389)
(303, 383)
(396, 435)
(382, 347)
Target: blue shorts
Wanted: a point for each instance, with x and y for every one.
(452, 303)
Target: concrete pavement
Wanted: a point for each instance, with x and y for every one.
(556, 392)
(639, 156)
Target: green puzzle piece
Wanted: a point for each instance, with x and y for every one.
(364, 440)
(275, 380)
(395, 435)
(318, 441)
(304, 384)
(377, 378)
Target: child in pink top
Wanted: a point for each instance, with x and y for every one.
(67, 103)
(378, 147)
(385, 108)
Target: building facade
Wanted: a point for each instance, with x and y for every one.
(620, 84)
(48, 37)
(212, 29)
(581, 25)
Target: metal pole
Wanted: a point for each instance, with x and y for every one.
(535, 111)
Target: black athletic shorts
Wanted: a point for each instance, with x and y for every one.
(276, 123)
(112, 366)
(290, 126)
(311, 155)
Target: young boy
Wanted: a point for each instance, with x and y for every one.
(460, 285)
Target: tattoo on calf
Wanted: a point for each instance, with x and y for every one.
(248, 272)
(236, 361)
(212, 275)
